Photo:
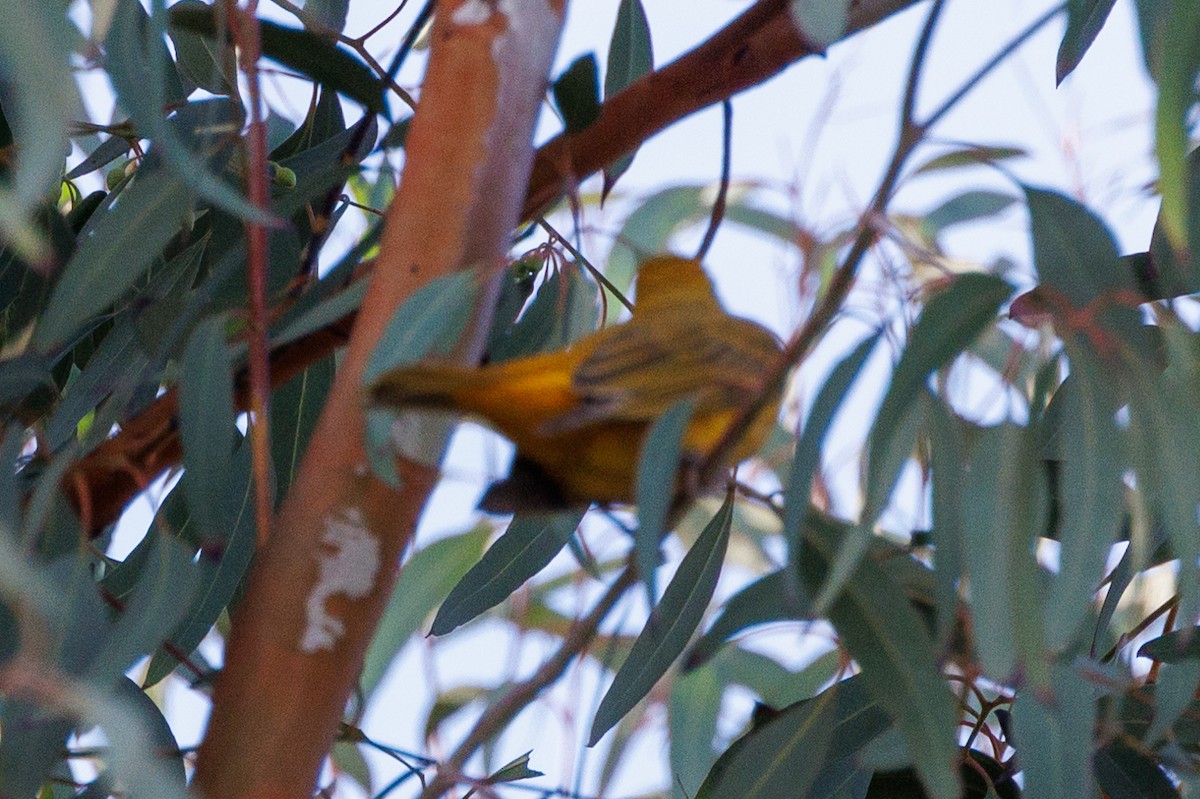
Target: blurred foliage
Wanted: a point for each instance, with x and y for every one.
(962, 660)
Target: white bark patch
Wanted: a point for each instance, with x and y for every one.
(472, 12)
(347, 566)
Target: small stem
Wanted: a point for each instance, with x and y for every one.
(992, 63)
(1168, 626)
(1165, 607)
(395, 13)
(246, 35)
(718, 209)
(580, 258)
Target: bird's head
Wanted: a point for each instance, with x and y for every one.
(668, 280)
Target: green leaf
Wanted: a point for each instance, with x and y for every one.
(26, 759)
(820, 22)
(671, 624)
(207, 420)
(812, 440)
(448, 703)
(1085, 18)
(1053, 736)
(692, 713)
(22, 376)
(512, 771)
(885, 635)
(323, 122)
(158, 603)
(946, 456)
(108, 151)
(970, 206)
(1164, 442)
(1092, 490)
(657, 468)
(225, 557)
(1072, 249)
(164, 748)
(35, 44)
(515, 289)
(577, 93)
(786, 752)
(1120, 578)
(630, 56)
(321, 315)
(969, 155)
(1164, 273)
(116, 248)
(1002, 509)
(295, 408)
(303, 51)
(348, 762)
(1174, 693)
(116, 364)
(1172, 647)
(207, 61)
(1123, 772)
(564, 309)
(947, 325)
(135, 49)
(427, 577)
(525, 548)
(133, 733)
(1177, 58)
(430, 320)
(770, 680)
(763, 601)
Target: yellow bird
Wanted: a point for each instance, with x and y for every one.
(578, 416)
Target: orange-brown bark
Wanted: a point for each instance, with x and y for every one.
(301, 632)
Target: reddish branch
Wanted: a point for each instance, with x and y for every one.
(244, 25)
(752, 48)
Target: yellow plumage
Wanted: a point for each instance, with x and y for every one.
(580, 414)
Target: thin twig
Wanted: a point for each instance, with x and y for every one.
(1141, 626)
(498, 715)
(580, 258)
(718, 209)
(383, 24)
(246, 35)
(1004, 52)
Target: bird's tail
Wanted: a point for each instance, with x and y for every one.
(424, 386)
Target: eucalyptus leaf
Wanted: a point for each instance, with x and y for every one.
(425, 580)
(577, 93)
(630, 56)
(786, 752)
(525, 548)
(206, 420)
(1085, 18)
(671, 624)
(885, 635)
(656, 478)
(116, 248)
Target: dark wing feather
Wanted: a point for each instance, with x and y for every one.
(717, 361)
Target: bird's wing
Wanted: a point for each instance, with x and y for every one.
(643, 368)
